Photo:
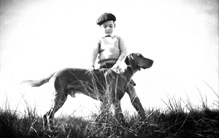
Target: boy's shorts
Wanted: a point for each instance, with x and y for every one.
(106, 66)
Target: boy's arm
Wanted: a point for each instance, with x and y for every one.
(123, 50)
(94, 55)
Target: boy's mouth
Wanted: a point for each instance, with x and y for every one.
(108, 33)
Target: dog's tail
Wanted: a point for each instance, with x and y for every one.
(37, 83)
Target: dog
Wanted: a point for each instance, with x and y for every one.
(96, 84)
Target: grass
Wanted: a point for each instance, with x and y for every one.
(179, 120)
(175, 122)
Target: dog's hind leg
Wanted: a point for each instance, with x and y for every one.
(58, 102)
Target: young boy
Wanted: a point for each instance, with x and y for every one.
(111, 49)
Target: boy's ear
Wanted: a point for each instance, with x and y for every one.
(114, 24)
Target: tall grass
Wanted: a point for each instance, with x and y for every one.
(13, 126)
(174, 123)
(180, 120)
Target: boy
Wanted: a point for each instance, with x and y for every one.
(112, 51)
(111, 48)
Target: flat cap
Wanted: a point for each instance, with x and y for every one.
(106, 17)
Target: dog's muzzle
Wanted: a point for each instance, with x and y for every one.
(149, 63)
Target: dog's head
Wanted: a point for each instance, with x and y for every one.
(138, 61)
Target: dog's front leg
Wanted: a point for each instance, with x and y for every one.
(136, 101)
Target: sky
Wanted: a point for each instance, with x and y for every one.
(38, 38)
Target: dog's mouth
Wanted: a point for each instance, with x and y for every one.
(143, 68)
(139, 68)
(147, 66)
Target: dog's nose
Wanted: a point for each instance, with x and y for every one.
(150, 63)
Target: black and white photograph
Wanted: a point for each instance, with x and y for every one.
(109, 68)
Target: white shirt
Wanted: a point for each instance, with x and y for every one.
(108, 49)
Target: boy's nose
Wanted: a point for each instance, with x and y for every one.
(107, 28)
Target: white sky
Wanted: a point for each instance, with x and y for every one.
(181, 37)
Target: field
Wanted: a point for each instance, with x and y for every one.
(175, 122)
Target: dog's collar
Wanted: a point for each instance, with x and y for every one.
(129, 68)
(135, 67)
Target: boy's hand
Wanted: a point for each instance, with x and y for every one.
(117, 69)
(91, 68)
(115, 66)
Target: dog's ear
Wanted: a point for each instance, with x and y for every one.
(127, 62)
(128, 59)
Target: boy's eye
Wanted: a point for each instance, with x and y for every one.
(110, 26)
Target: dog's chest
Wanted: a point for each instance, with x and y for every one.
(115, 80)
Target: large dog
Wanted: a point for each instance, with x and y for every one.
(95, 84)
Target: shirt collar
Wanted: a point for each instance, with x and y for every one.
(108, 36)
(112, 36)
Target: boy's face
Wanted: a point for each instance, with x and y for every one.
(108, 27)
